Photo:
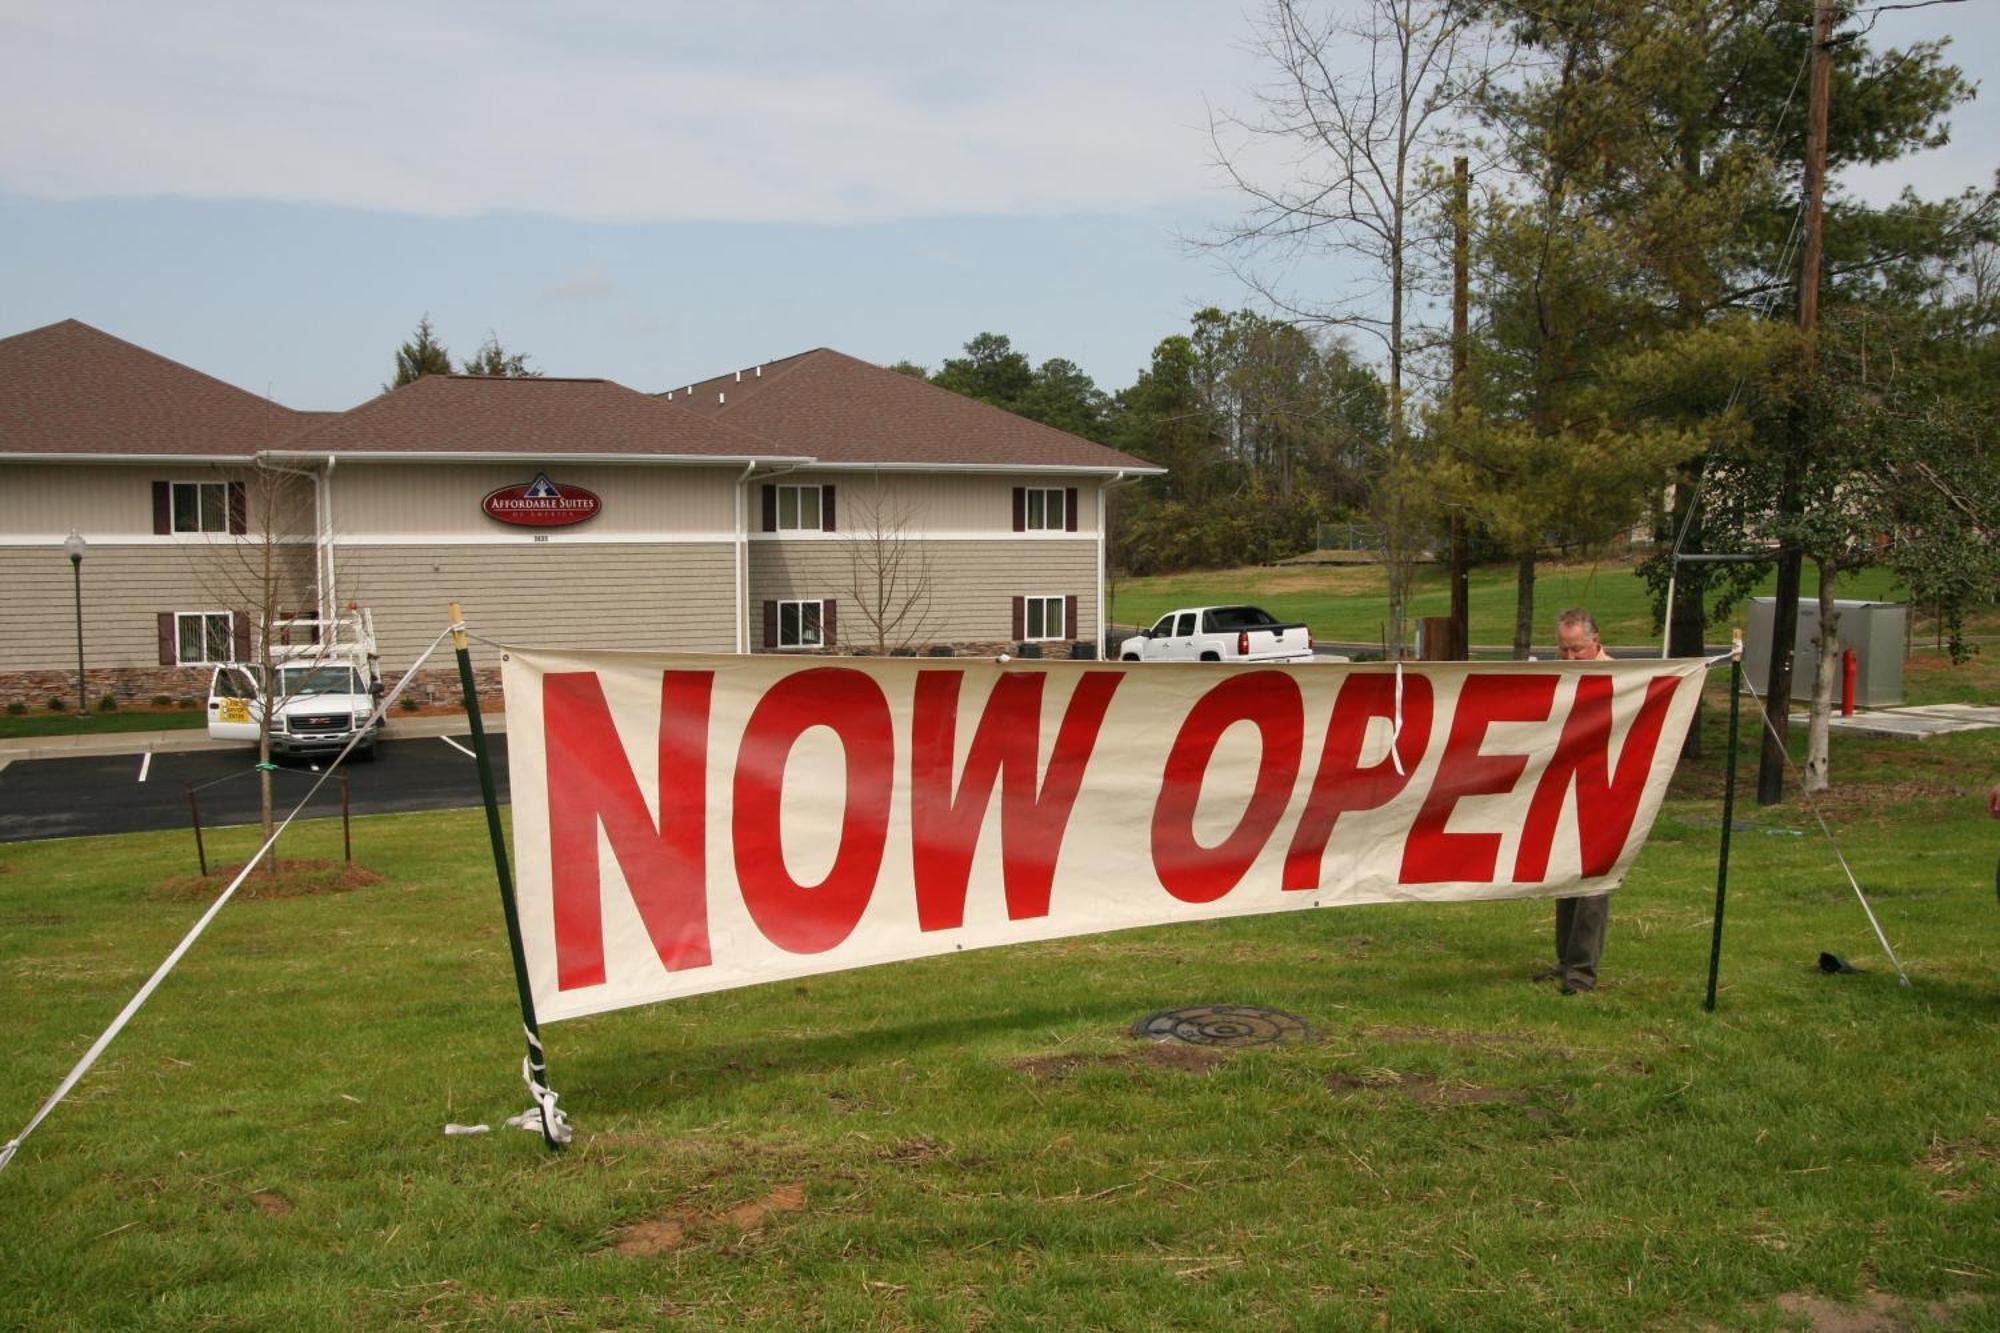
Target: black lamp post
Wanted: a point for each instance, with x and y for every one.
(73, 546)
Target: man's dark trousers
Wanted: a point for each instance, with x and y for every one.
(1580, 924)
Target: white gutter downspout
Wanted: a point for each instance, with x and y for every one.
(1103, 508)
(743, 561)
(332, 608)
(743, 548)
(319, 508)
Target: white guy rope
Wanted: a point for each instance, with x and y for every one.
(1840, 856)
(1396, 731)
(97, 1047)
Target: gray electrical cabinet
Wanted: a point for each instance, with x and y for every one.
(1874, 630)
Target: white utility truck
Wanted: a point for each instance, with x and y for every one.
(325, 685)
(1219, 634)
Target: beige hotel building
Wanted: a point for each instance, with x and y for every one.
(813, 504)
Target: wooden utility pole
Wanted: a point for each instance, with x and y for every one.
(1785, 614)
(1461, 601)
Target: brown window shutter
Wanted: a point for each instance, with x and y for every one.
(163, 515)
(242, 627)
(770, 515)
(169, 644)
(826, 512)
(1069, 509)
(1020, 509)
(770, 614)
(829, 623)
(1020, 613)
(1069, 614)
(239, 508)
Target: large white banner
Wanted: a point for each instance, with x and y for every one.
(687, 823)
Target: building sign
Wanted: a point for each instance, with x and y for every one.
(688, 824)
(541, 504)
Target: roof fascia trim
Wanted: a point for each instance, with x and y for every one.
(6, 457)
(1064, 469)
(487, 456)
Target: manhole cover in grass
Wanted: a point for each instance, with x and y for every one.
(1223, 1025)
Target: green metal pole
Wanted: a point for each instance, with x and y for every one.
(537, 1063)
(1728, 818)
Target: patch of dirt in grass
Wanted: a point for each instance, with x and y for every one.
(671, 1230)
(1948, 1158)
(659, 1235)
(1864, 798)
(1459, 1040)
(1164, 1055)
(271, 1204)
(751, 1214)
(913, 1152)
(1877, 1312)
(1427, 1091)
(294, 879)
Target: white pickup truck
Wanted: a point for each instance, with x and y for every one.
(1219, 634)
(323, 691)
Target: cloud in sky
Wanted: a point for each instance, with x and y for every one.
(753, 111)
(590, 283)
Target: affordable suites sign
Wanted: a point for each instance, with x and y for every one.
(541, 503)
(686, 824)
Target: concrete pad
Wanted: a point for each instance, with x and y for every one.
(1896, 725)
(1989, 714)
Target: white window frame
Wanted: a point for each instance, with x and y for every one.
(200, 528)
(228, 619)
(798, 623)
(796, 494)
(1054, 516)
(1029, 605)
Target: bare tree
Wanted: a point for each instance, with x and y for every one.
(1343, 158)
(269, 572)
(890, 574)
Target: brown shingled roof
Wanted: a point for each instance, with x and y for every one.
(472, 414)
(67, 388)
(845, 411)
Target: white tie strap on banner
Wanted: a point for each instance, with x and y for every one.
(687, 824)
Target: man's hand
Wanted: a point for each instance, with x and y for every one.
(1993, 801)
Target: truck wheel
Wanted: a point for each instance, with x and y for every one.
(365, 754)
(1211, 657)
(1129, 657)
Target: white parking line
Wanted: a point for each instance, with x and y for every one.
(145, 764)
(456, 746)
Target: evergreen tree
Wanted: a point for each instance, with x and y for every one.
(422, 355)
(497, 362)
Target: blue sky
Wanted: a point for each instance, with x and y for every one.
(655, 193)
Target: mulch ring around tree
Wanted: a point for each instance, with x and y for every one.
(292, 878)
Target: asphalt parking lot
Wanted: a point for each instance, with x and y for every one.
(132, 793)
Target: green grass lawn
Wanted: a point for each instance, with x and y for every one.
(973, 1141)
(1349, 603)
(43, 723)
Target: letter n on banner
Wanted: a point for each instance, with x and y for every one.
(591, 783)
(1605, 804)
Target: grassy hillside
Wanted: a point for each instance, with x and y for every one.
(973, 1141)
(1351, 603)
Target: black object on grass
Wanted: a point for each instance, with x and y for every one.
(1833, 964)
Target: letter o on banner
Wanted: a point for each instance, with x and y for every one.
(1270, 700)
(812, 918)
